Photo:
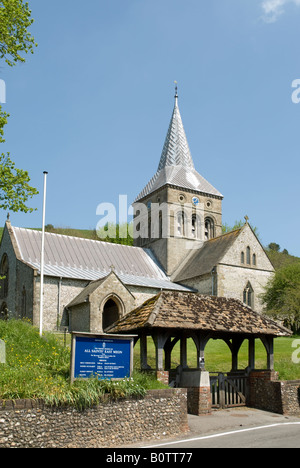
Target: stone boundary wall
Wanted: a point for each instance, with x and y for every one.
(278, 396)
(31, 424)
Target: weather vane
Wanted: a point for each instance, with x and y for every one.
(176, 88)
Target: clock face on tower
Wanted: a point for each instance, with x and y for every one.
(195, 200)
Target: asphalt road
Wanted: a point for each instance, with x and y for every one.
(285, 435)
(237, 428)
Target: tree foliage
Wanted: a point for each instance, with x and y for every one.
(15, 19)
(282, 296)
(237, 225)
(3, 122)
(15, 190)
(116, 233)
(274, 246)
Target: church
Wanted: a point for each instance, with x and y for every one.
(178, 247)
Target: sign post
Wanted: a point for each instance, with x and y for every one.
(43, 256)
(103, 356)
(2, 352)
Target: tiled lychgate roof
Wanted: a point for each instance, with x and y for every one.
(195, 312)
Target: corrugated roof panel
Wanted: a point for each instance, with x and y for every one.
(86, 259)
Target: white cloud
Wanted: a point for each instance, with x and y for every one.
(273, 9)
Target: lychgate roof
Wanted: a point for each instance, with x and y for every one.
(195, 312)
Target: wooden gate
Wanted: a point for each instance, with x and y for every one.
(228, 390)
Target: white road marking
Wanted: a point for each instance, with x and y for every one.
(222, 434)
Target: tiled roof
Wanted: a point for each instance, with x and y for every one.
(202, 261)
(195, 312)
(76, 258)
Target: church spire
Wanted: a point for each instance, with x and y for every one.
(176, 94)
(176, 166)
(176, 151)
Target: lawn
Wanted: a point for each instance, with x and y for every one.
(218, 356)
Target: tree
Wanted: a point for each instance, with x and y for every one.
(273, 246)
(14, 188)
(116, 233)
(3, 122)
(282, 296)
(237, 225)
(15, 19)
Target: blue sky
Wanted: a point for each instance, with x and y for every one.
(92, 105)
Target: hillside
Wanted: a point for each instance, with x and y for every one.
(281, 259)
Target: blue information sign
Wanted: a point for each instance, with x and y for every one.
(106, 358)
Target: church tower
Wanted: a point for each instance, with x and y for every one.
(178, 210)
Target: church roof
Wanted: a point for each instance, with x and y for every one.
(191, 311)
(202, 261)
(176, 166)
(85, 259)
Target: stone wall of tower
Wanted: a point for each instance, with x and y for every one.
(156, 225)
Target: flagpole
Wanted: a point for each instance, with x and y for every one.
(43, 256)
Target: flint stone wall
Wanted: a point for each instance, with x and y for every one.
(31, 424)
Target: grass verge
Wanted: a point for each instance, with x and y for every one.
(39, 368)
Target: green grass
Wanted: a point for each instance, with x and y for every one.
(218, 356)
(38, 368)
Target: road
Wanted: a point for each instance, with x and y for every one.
(282, 435)
(236, 428)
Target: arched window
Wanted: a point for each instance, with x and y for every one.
(243, 258)
(248, 295)
(195, 227)
(254, 259)
(4, 274)
(248, 256)
(111, 313)
(181, 224)
(160, 226)
(149, 227)
(209, 229)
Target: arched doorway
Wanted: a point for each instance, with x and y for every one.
(111, 313)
